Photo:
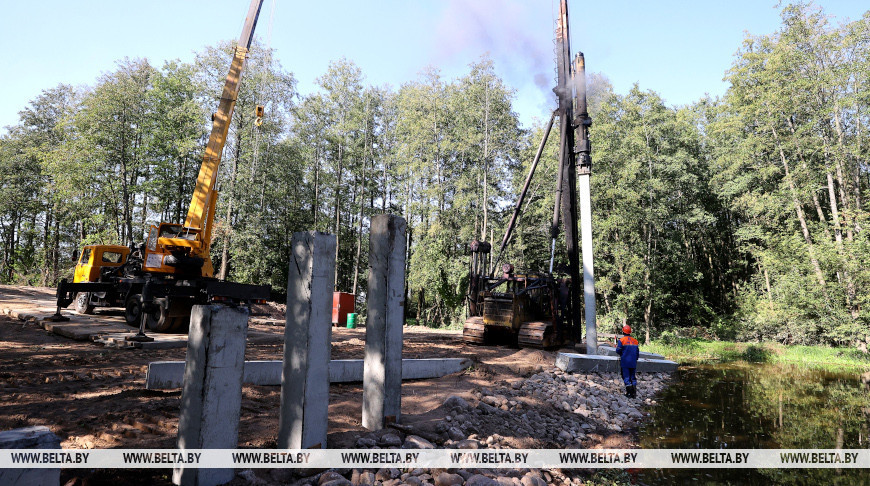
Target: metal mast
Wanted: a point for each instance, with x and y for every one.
(574, 160)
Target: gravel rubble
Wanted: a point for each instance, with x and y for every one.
(550, 409)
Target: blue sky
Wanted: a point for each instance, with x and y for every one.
(679, 49)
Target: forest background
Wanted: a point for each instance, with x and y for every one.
(740, 217)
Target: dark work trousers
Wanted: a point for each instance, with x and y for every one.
(628, 376)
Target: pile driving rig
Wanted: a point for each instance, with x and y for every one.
(541, 309)
(161, 280)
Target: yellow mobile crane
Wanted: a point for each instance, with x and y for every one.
(172, 271)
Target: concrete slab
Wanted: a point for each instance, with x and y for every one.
(611, 351)
(416, 369)
(77, 331)
(351, 370)
(581, 346)
(161, 341)
(584, 363)
(39, 437)
(166, 375)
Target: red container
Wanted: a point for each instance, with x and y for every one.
(343, 304)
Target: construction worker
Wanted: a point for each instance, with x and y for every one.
(628, 350)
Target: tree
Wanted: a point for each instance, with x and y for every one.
(241, 233)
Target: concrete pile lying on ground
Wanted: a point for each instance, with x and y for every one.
(585, 363)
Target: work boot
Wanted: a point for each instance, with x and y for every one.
(632, 391)
(628, 391)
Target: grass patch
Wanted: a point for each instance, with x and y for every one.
(453, 326)
(700, 351)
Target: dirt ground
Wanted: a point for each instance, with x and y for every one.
(92, 396)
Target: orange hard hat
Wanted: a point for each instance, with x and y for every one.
(626, 329)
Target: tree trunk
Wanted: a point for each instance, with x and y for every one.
(359, 232)
(338, 215)
(55, 253)
(225, 250)
(647, 284)
(421, 302)
(819, 212)
(841, 181)
(315, 204)
(838, 234)
(127, 228)
(857, 171)
(46, 255)
(485, 160)
(366, 157)
(800, 215)
(181, 195)
(606, 296)
(835, 214)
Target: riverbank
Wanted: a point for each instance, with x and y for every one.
(700, 351)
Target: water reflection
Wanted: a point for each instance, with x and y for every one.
(759, 406)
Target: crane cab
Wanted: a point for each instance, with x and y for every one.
(176, 249)
(95, 258)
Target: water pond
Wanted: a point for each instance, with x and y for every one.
(759, 406)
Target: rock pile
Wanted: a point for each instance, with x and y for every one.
(550, 409)
(594, 396)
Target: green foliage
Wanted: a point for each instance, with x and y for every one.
(756, 354)
(785, 139)
(671, 339)
(700, 351)
(735, 218)
(608, 477)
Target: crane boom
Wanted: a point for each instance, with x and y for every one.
(159, 282)
(200, 215)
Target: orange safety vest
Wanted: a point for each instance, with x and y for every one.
(628, 341)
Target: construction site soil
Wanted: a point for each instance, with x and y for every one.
(92, 396)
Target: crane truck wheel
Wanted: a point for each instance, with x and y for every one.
(159, 320)
(132, 310)
(83, 303)
(179, 315)
(171, 315)
(180, 324)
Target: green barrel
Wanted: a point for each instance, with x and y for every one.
(351, 320)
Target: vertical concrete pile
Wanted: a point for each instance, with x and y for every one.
(382, 371)
(307, 342)
(212, 394)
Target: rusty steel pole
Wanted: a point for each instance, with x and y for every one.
(567, 164)
(519, 204)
